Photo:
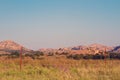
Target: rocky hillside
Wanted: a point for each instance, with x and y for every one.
(116, 49)
(89, 49)
(9, 45)
(100, 47)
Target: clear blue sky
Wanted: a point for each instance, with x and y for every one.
(60, 23)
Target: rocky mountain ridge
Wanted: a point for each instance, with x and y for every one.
(9, 45)
(89, 49)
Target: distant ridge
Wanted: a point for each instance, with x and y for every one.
(9, 45)
(81, 49)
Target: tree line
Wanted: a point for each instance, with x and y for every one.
(38, 54)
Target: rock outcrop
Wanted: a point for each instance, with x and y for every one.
(9, 45)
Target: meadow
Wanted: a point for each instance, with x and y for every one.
(59, 68)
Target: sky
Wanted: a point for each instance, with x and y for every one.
(60, 23)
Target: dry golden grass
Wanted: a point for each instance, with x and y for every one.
(59, 68)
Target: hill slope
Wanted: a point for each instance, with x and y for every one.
(9, 45)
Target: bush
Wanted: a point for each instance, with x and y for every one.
(88, 56)
(114, 55)
(38, 53)
(50, 54)
(14, 54)
(78, 56)
(98, 56)
(75, 56)
(70, 56)
(64, 53)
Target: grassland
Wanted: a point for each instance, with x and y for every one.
(59, 68)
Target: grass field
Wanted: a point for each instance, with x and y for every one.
(56, 68)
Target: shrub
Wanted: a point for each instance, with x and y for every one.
(14, 54)
(77, 56)
(113, 55)
(88, 56)
(97, 56)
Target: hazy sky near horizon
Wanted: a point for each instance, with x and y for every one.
(60, 23)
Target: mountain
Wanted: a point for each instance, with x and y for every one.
(9, 45)
(81, 47)
(100, 47)
(116, 49)
(89, 49)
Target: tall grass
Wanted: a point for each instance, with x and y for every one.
(52, 68)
